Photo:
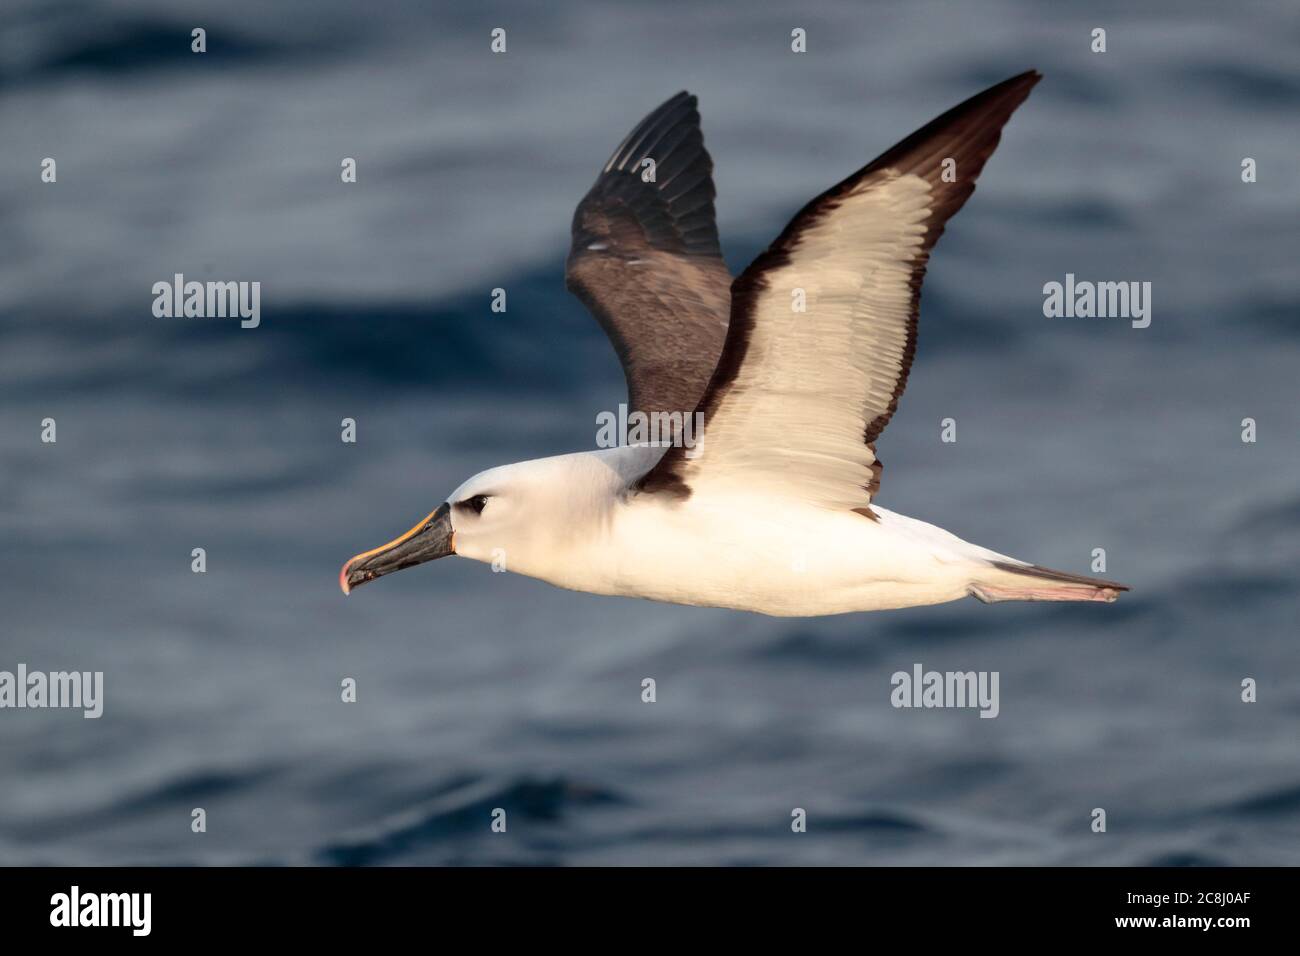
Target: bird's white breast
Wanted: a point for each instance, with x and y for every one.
(775, 557)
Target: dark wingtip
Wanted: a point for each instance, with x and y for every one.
(677, 99)
(1028, 79)
(1018, 86)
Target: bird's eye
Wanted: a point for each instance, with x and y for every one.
(477, 503)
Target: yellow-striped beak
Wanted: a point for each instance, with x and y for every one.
(432, 538)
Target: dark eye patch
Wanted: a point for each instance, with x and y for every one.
(475, 504)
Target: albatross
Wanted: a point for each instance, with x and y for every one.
(773, 507)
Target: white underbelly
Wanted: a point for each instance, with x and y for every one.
(772, 558)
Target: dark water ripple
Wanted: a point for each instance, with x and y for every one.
(461, 813)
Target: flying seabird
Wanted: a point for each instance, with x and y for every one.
(772, 509)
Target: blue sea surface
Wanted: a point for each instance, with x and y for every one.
(477, 690)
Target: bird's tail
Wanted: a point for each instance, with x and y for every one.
(1013, 581)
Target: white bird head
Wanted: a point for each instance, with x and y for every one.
(522, 517)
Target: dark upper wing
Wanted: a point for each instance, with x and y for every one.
(645, 260)
(800, 394)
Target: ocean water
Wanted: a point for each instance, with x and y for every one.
(478, 690)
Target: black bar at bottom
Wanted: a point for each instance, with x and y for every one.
(337, 905)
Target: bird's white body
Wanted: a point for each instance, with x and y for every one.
(588, 530)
